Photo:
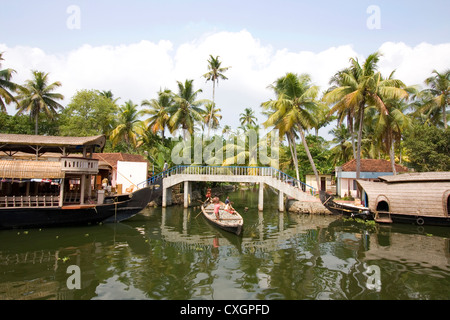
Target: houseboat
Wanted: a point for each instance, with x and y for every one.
(48, 181)
(417, 198)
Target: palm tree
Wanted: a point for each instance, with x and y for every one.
(337, 81)
(6, 86)
(214, 74)
(212, 116)
(342, 152)
(36, 96)
(109, 95)
(360, 86)
(292, 112)
(128, 125)
(186, 110)
(248, 117)
(158, 115)
(226, 130)
(439, 94)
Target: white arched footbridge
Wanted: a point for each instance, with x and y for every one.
(285, 184)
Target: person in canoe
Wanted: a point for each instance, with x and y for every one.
(208, 197)
(217, 207)
(228, 207)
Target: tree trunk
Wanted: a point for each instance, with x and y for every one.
(352, 135)
(291, 141)
(311, 160)
(392, 157)
(358, 151)
(444, 115)
(212, 108)
(36, 123)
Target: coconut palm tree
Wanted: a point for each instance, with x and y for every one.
(214, 74)
(36, 96)
(109, 95)
(159, 117)
(337, 81)
(186, 111)
(128, 125)
(226, 130)
(6, 87)
(293, 112)
(248, 117)
(342, 152)
(362, 85)
(438, 96)
(212, 116)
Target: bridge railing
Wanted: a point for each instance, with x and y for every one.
(232, 171)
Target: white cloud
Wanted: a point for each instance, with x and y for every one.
(414, 64)
(137, 71)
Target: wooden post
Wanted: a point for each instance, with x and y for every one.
(61, 192)
(82, 188)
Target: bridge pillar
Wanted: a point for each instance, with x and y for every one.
(166, 197)
(261, 197)
(187, 194)
(280, 201)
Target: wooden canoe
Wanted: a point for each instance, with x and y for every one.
(231, 222)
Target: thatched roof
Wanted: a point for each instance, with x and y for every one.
(28, 143)
(30, 169)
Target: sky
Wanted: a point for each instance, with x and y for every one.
(135, 48)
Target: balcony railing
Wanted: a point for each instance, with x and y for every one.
(79, 165)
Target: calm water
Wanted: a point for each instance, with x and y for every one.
(175, 254)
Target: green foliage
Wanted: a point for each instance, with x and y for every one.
(428, 148)
(23, 124)
(88, 114)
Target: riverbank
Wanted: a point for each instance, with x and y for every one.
(310, 207)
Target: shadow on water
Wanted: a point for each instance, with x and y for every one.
(174, 253)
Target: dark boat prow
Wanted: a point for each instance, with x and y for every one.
(344, 209)
(128, 208)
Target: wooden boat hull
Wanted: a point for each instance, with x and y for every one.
(420, 220)
(135, 203)
(38, 217)
(367, 214)
(228, 222)
(343, 209)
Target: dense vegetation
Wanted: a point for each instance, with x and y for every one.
(377, 116)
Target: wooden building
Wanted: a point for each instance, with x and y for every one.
(27, 172)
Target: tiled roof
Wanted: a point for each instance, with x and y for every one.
(373, 165)
(112, 158)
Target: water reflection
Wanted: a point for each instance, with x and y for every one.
(174, 253)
